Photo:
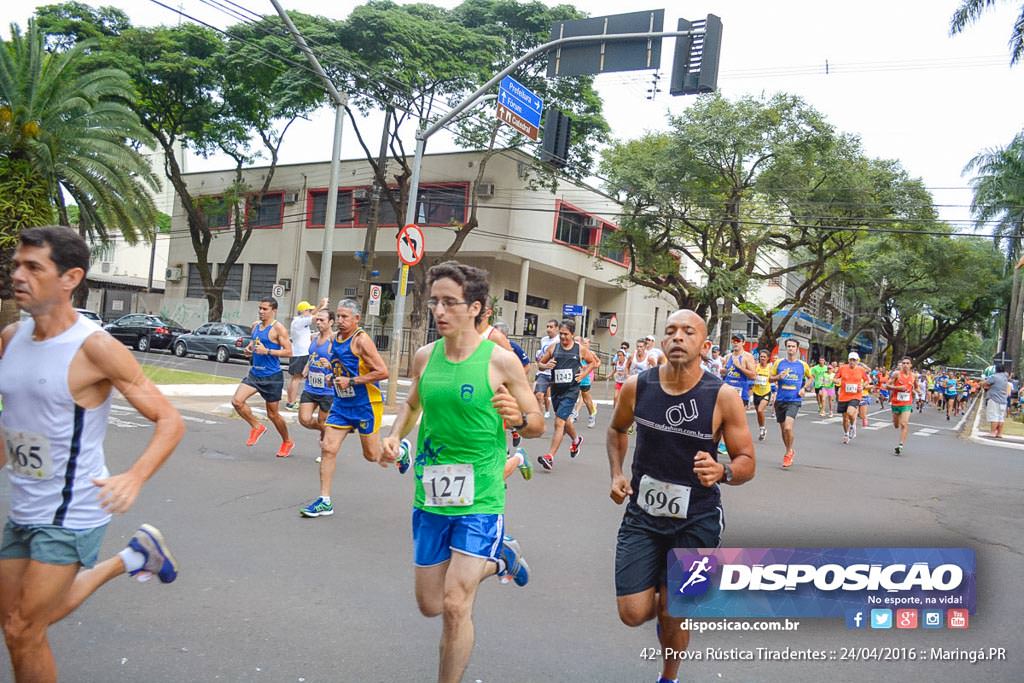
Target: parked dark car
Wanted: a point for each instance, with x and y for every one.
(222, 341)
(146, 332)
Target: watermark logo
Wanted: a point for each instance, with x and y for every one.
(856, 618)
(932, 618)
(697, 580)
(881, 618)
(906, 618)
(957, 619)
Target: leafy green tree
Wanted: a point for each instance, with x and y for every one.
(919, 291)
(740, 193)
(205, 92)
(970, 11)
(71, 122)
(998, 185)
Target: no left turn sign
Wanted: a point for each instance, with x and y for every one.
(411, 244)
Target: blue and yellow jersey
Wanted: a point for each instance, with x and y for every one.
(795, 374)
(346, 363)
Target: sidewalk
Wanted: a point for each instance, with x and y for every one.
(981, 436)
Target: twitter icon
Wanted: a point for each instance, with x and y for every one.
(881, 618)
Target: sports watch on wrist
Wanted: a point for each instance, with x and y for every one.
(726, 473)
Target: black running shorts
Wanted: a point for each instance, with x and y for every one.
(641, 552)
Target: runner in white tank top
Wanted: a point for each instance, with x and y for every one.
(57, 371)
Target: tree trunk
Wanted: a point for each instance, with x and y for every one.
(726, 317)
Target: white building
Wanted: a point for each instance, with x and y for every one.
(542, 250)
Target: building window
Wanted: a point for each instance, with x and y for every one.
(268, 212)
(753, 330)
(774, 279)
(385, 216)
(511, 296)
(610, 248)
(318, 209)
(442, 205)
(537, 301)
(262, 277)
(233, 283)
(195, 283)
(573, 229)
(215, 209)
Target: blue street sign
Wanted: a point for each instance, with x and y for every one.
(572, 310)
(520, 100)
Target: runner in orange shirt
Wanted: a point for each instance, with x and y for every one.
(850, 382)
(903, 382)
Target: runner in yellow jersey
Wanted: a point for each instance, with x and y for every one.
(762, 390)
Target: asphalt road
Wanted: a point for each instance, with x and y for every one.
(265, 595)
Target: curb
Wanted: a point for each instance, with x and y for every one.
(289, 416)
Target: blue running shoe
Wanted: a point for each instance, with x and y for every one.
(515, 565)
(404, 456)
(318, 508)
(158, 559)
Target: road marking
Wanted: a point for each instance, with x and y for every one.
(200, 420)
(124, 424)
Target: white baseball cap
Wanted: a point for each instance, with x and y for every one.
(853, 356)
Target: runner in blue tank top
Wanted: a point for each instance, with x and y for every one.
(794, 378)
(740, 368)
(318, 390)
(357, 406)
(673, 493)
(269, 344)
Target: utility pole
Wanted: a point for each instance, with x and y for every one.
(340, 103)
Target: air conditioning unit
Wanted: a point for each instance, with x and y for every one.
(603, 323)
(350, 291)
(591, 222)
(361, 193)
(291, 197)
(173, 274)
(106, 266)
(485, 190)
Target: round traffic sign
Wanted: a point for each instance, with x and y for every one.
(277, 291)
(613, 325)
(375, 292)
(411, 244)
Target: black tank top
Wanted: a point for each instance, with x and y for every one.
(669, 432)
(567, 367)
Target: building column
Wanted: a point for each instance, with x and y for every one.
(519, 325)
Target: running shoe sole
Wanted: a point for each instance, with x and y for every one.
(547, 463)
(521, 577)
(306, 512)
(574, 449)
(283, 452)
(149, 535)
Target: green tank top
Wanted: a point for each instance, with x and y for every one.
(459, 427)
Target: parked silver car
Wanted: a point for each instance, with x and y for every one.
(222, 341)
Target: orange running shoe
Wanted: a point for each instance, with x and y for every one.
(286, 449)
(787, 459)
(255, 433)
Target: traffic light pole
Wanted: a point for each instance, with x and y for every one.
(421, 142)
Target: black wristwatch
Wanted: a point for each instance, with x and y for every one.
(521, 424)
(727, 474)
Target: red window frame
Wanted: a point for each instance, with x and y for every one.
(309, 208)
(596, 233)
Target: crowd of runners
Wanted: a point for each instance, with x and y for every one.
(471, 404)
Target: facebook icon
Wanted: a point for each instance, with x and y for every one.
(855, 619)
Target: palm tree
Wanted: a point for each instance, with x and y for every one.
(971, 10)
(66, 126)
(998, 185)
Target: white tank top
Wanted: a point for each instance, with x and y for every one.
(54, 447)
(486, 334)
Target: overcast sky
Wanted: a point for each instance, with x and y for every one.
(896, 77)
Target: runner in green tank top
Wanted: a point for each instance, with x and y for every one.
(465, 388)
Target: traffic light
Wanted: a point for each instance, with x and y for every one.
(695, 63)
(555, 140)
